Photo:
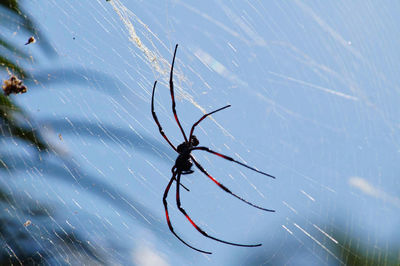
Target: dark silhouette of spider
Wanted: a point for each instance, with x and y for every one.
(184, 162)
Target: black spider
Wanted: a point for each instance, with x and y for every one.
(184, 162)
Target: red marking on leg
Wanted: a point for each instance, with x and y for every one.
(190, 220)
(213, 179)
(166, 214)
(224, 156)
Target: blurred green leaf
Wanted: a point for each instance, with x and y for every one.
(19, 239)
(12, 48)
(10, 4)
(40, 243)
(7, 64)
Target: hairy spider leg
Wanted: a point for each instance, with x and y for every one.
(156, 119)
(178, 203)
(224, 188)
(171, 87)
(230, 159)
(204, 116)
(167, 216)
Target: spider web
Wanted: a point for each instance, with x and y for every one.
(314, 96)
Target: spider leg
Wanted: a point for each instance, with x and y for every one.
(171, 87)
(183, 186)
(174, 177)
(204, 116)
(167, 215)
(230, 159)
(224, 188)
(156, 119)
(178, 202)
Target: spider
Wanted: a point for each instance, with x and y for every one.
(184, 162)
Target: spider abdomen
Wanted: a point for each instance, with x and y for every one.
(183, 163)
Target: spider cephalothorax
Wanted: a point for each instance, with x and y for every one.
(184, 162)
(185, 147)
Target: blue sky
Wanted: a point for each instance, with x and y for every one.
(314, 94)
